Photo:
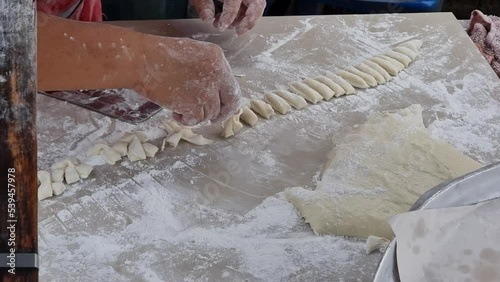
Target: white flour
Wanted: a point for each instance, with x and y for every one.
(268, 243)
(203, 213)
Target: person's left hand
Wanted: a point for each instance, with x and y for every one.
(242, 15)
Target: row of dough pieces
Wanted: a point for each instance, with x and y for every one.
(132, 145)
(370, 73)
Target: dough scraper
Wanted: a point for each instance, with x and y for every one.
(122, 104)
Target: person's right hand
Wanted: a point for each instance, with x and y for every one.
(191, 78)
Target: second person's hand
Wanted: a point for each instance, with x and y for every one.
(242, 15)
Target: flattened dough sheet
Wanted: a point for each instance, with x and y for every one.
(378, 171)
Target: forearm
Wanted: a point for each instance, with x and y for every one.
(77, 55)
(191, 78)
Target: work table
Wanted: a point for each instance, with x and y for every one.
(190, 211)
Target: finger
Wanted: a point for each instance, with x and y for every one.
(205, 9)
(239, 17)
(230, 99)
(253, 14)
(185, 119)
(212, 108)
(191, 117)
(177, 117)
(229, 13)
(216, 20)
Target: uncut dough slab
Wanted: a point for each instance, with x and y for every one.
(378, 171)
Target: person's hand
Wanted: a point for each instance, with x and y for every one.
(239, 14)
(191, 78)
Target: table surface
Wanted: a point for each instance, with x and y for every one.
(201, 213)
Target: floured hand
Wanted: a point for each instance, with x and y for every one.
(242, 15)
(191, 78)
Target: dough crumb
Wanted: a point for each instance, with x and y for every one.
(374, 243)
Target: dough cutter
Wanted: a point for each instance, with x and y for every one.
(122, 104)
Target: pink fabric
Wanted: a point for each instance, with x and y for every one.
(82, 10)
(485, 33)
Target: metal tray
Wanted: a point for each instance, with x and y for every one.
(475, 187)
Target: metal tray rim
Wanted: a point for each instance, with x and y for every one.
(387, 270)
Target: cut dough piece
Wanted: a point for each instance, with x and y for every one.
(43, 176)
(305, 91)
(377, 171)
(135, 150)
(62, 164)
(232, 125)
(405, 60)
(57, 175)
(128, 137)
(397, 64)
(129, 146)
(121, 148)
(262, 108)
(69, 171)
(278, 103)
(84, 170)
(45, 188)
(172, 126)
(386, 65)
(150, 149)
(407, 52)
(339, 91)
(353, 79)
(173, 140)
(342, 82)
(58, 188)
(71, 175)
(176, 132)
(294, 100)
(321, 88)
(108, 154)
(196, 139)
(414, 44)
(249, 116)
(64, 170)
(379, 69)
(370, 80)
(379, 78)
(374, 243)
